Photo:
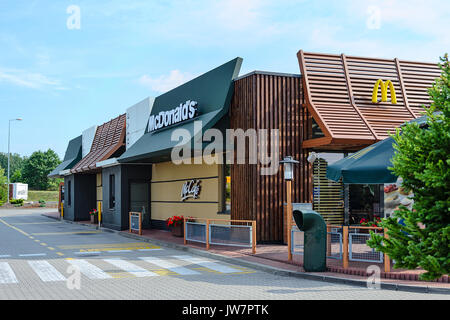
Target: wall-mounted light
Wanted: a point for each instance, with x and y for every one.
(312, 157)
(288, 163)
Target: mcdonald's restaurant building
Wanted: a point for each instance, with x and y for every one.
(335, 106)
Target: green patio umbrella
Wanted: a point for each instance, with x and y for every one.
(367, 166)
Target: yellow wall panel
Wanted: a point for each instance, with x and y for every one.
(166, 187)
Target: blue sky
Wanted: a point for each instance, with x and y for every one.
(62, 81)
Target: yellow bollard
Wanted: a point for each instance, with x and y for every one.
(62, 210)
(99, 213)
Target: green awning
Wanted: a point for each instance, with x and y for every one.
(211, 91)
(157, 147)
(72, 156)
(367, 166)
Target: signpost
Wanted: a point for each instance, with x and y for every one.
(136, 222)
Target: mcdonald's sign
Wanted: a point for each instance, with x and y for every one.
(384, 86)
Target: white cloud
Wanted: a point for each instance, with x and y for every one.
(165, 83)
(27, 79)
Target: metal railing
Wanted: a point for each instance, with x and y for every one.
(297, 240)
(237, 233)
(334, 243)
(358, 250)
(346, 243)
(195, 231)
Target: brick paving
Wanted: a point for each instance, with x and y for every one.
(129, 276)
(276, 256)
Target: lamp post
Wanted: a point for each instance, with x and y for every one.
(288, 163)
(9, 153)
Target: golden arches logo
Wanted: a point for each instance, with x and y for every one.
(384, 86)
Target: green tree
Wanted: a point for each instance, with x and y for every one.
(422, 160)
(3, 186)
(37, 167)
(16, 165)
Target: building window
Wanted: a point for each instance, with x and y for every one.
(112, 191)
(69, 193)
(227, 188)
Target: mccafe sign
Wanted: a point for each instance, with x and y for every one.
(190, 189)
(186, 111)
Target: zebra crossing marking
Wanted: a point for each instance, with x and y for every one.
(46, 271)
(207, 264)
(130, 268)
(7, 275)
(88, 269)
(169, 265)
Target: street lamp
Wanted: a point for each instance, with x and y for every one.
(9, 154)
(288, 163)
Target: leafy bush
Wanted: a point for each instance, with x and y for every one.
(17, 201)
(423, 161)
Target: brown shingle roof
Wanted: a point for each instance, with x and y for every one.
(109, 137)
(339, 88)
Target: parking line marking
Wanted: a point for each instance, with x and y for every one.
(88, 252)
(63, 233)
(207, 264)
(46, 271)
(169, 265)
(15, 228)
(89, 270)
(130, 268)
(32, 255)
(24, 223)
(7, 274)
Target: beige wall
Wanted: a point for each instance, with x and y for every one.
(99, 189)
(167, 182)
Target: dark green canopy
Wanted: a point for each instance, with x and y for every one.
(71, 157)
(213, 92)
(367, 166)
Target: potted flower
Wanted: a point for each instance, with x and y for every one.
(94, 216)
(176, 225)
(367, 223)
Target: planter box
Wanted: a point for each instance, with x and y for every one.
(178, 231)
(94, 219)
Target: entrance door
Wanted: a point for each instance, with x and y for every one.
(139, 201)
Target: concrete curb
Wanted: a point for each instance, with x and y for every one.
(288, 273)
(265, 268)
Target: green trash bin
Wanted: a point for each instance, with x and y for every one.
(315, 239)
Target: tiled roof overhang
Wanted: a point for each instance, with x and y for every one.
(109, 137)
(338, 93)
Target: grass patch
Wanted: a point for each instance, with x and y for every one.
(47, 196)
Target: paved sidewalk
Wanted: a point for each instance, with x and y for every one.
(273, 258)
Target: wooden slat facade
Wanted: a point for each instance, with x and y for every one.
(270, 101)
(338, 92)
